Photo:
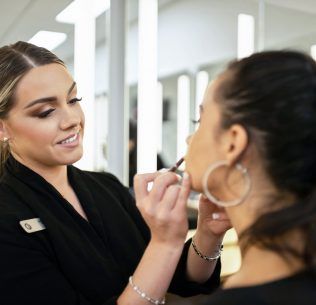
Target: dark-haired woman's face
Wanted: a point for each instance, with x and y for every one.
(206, 144)
(45, 126)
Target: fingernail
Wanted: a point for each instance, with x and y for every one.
(215, 216)
(179, 177)
(163, 170)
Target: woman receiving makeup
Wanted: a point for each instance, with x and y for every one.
(69, 236)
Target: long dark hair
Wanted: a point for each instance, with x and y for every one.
(15, 61)
(273, 95)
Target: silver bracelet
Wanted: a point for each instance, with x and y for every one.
(144, 295)
(207, 258)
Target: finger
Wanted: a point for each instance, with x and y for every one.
(184, 192)
(219, 216)
(169, 198)
(161, 183)
(141, 184)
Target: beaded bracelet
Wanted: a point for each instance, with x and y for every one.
(144, 295)
(207, 258)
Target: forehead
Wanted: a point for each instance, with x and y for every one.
(210, 93)
(43, 81)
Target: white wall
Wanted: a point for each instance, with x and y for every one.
(194, 34)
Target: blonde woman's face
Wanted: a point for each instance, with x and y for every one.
(45, 125)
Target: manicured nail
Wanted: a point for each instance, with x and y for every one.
(215, 216)
(185, 176)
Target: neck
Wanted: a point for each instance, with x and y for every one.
(55, 175)
(260, 266)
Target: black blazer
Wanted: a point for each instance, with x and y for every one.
(73, 261)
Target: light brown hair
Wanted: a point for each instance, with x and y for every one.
(15, 61)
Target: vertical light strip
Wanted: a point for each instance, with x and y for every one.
(147, 86)
(159, 116)
(313, 51)
(84, 70)
(202, 80)
(183, 114)
(246, 35)
(117, 138)
(261, 25)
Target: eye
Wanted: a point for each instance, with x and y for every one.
(196, 121)
(75, 100)
(45, 114)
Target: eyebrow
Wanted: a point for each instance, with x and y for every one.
(48, 99)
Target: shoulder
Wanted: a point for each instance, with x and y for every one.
(103, 182)
(298, 289)
(103, 177)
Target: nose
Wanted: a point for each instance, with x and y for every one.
(188, 139)
(70, 118)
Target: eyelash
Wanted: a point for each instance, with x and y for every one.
(46, 113)
(196, 121)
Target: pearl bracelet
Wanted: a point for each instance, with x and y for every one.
(144, 295)
(207, 258)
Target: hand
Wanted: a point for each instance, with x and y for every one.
(212, 220)
(164, 206)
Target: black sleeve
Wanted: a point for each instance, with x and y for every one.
(180, 285)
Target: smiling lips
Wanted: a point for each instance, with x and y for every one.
(70, 140)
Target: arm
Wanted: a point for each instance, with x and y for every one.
(164, 210)
(208, 239)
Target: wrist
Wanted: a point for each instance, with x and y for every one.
(205, 236)
(208, 243)
(170, 247)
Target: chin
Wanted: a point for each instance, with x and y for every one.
(72, 159)
(196, 185)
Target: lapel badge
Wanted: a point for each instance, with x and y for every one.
(32, 225)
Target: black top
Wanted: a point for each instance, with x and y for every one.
(73, 261)
(299, 289)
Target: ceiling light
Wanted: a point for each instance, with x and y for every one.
(48, 40)
(69, 14)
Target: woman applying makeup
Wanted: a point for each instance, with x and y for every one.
(75, 237)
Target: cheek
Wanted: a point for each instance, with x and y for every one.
(29, 132)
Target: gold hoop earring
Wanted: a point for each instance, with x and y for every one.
(215, 200)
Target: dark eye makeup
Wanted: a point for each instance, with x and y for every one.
(46, 113)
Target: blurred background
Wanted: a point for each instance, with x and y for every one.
(142, 67)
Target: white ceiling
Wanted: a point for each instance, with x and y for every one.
(21, 19)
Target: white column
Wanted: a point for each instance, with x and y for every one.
(261, 25)
(246, 35)
(202, 80)
(147, 86)
(84, 69)
(117, 147)
(159, 116)
(183, 114)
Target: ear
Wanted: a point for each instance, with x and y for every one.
(236, 141)
(3, 130)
